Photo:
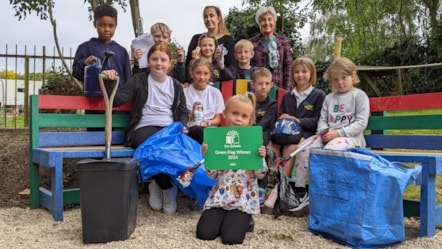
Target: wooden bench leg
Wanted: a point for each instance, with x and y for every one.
(34, 185)
(53, 200)
(428, 217)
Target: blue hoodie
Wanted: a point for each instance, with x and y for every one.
(119, 61)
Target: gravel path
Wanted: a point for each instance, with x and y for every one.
(25, 228)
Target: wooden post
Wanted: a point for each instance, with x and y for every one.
(338, 46)
(337, 52)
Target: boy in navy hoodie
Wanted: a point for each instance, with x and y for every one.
(105, 21)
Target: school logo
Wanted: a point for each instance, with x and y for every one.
(308, 106)
(232, 138)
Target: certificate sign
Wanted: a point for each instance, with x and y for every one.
(233, 147)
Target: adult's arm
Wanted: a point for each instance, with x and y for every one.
(192, 45)
(287, 62)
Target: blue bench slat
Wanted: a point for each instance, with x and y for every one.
(424, 142)
(51, 157)
(48, 139)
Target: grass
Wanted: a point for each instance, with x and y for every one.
(11, 121)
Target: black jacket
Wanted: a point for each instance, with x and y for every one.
(135, 90)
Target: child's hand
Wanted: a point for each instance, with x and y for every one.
(330, 135)
(217, 55)
(91, 60)
(262, 151)
(109, 74)
(196, 53)
(204, 147)
(185, 130)
(138, 53)
(179, 54)
(191, 115)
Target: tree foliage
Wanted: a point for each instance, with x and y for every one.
(368, 26)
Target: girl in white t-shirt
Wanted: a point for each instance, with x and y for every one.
(200, 92)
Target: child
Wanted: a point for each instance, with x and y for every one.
(157, 101)
(208, 48)
(243, 54)
(266, 107)
(161, 33)
(200, 92)
(225, 214)
(302, 104)
(345, 113)
(265, 111)
(105, 21)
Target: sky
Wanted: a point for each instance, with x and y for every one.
(184, 18)
(73, 26)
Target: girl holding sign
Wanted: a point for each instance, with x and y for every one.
(234, 198)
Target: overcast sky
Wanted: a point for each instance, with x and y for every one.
(73, 27)
(185, 18)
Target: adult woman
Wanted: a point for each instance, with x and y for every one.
(157, 101)
(214, 22)
(263, 44)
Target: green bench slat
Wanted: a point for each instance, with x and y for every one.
(53, 120)
(426, 122)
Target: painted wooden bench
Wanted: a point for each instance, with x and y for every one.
(424, 149)
(388, 134)
(61, 134)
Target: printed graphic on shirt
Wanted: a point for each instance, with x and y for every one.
(339, 115)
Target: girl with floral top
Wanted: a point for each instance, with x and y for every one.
(234, 198)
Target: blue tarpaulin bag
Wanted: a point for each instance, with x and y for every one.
(356, 197)
(170, 151)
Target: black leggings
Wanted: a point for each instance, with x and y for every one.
(231, 225)
(141, 134)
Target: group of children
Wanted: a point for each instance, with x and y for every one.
(158, 99)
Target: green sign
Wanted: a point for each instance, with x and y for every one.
(233, 147)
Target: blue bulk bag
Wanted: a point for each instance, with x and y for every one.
(356, 197)
(170, 151)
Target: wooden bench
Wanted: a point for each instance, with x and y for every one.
(55, 136)
(421, 149)
(387, 135)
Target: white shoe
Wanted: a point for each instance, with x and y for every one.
(169, 199)
(155, 196)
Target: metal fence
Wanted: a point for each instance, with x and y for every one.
(23, 71)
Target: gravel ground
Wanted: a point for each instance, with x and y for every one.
(25, 228)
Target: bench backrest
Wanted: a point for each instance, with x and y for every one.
(231, 87)
(406, 122)
(57, 120)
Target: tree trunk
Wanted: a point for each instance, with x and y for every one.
(137, 22)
